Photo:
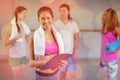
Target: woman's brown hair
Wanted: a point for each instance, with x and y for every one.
(45, 8)
(19, 9)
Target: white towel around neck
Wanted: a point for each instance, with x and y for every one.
(39, 41)
(14, 30)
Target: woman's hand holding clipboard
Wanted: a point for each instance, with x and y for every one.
(56, 61)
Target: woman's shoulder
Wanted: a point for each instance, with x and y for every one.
(8, 26)
(37, 30)
(73, 22)
(109, 35)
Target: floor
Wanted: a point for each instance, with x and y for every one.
(87, 69)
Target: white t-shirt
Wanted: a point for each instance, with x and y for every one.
(67, 32)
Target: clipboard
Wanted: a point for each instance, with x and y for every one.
(53, 63)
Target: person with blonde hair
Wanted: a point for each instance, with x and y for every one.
(110, 32)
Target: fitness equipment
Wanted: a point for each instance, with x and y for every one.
(112, 46)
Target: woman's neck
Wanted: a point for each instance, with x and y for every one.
(48, 30)
(19, 22)
(64, 20)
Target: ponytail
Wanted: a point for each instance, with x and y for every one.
(18, 10)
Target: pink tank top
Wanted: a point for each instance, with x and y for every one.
(107, 39)
(51, 48)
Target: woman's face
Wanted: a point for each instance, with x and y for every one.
(64, 12)
(22, 15)
(45, 19)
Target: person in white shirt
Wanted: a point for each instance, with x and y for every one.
(16, 35)
(69, 31)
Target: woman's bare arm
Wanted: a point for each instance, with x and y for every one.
(7, 34)
(76, 41)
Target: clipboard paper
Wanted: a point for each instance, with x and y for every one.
(53, 63)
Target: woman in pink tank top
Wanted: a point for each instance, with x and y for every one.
(109, 34)
(47, 46)
(51, 48)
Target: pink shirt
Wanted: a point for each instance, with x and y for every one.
(51, 48)
(107, 39)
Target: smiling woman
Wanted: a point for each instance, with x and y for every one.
(44, 44)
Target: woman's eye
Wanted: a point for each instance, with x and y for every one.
(48, 18)
(42, 18)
